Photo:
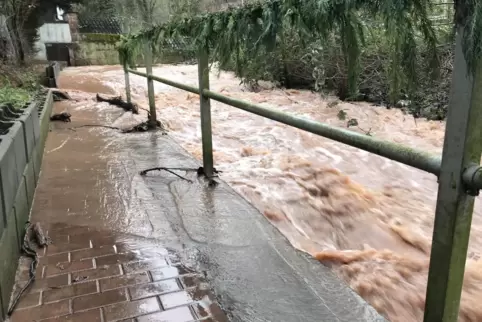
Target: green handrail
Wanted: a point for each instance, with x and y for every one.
(458, 170)
(397, 152)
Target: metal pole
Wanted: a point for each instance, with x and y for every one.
(150, 87)
(128, 85)
(406, 155)
(455, 203)
(207, 139)
(403, 154)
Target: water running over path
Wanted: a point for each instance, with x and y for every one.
(369, 218)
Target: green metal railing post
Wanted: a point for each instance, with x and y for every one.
(455, 202)
(150, 87)
(128, 85)
(207, 140)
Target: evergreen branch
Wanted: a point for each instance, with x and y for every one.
(240, 34)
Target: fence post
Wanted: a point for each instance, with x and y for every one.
(205, 102)
(150, 86)
(128, 85)
(455, 203)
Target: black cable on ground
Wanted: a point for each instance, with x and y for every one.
(200, 172)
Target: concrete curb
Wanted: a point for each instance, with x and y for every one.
(21, 150)
(52, 71)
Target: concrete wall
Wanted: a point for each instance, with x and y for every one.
(21, 153)
(96, 53)
(52, 72)
(101, 49)
(58, 32)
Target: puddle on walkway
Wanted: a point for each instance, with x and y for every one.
(109, 238)
(370, 218)
(94, 197)
(87, 268)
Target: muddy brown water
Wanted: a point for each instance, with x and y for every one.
(367, 217)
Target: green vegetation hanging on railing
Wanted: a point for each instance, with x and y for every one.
(240, 34)
(129, 50)
(472, 18)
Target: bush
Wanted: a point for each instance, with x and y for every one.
(17, 85)
(16, 97)
(311, 64)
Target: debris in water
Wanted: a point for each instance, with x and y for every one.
(341, 115)
(117, 101)
(142, 127)
(352, 122)
(64, 117)
(60, 95)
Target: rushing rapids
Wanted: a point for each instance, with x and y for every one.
(369, 218)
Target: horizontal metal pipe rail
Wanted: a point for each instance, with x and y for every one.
(397, 152)
(458, 169)
(477, 181)
(187, 88)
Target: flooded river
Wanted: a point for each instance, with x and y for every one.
(369, 218)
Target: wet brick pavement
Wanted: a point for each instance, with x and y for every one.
(91, 271)
(85, 275)
(160, 248)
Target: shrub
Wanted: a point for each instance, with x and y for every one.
(17, 85)
(320, 66)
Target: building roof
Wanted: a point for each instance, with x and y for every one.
(100, 26)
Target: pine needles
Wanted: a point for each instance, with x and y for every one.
(240, 34)
(473, 30)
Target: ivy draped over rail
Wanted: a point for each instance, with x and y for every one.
(239, 33)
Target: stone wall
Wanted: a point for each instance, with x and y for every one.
(21, 153)
(52, 72)
(101, 49)
(97, 49)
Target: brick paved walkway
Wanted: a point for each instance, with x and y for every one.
(88, 276)
(160, 248)
(96, 270)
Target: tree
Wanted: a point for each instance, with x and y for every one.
(16, 14)
(184, 8)
(95, 8)
(23, 17)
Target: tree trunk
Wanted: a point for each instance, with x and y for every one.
(16, 41)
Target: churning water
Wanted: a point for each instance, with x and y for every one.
(369, 218)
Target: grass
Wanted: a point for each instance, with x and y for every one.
(17, 85)
(15, 96)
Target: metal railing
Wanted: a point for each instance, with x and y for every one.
(458, 170)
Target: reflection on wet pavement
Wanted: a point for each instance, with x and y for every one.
(104, 263)
(158, 248)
